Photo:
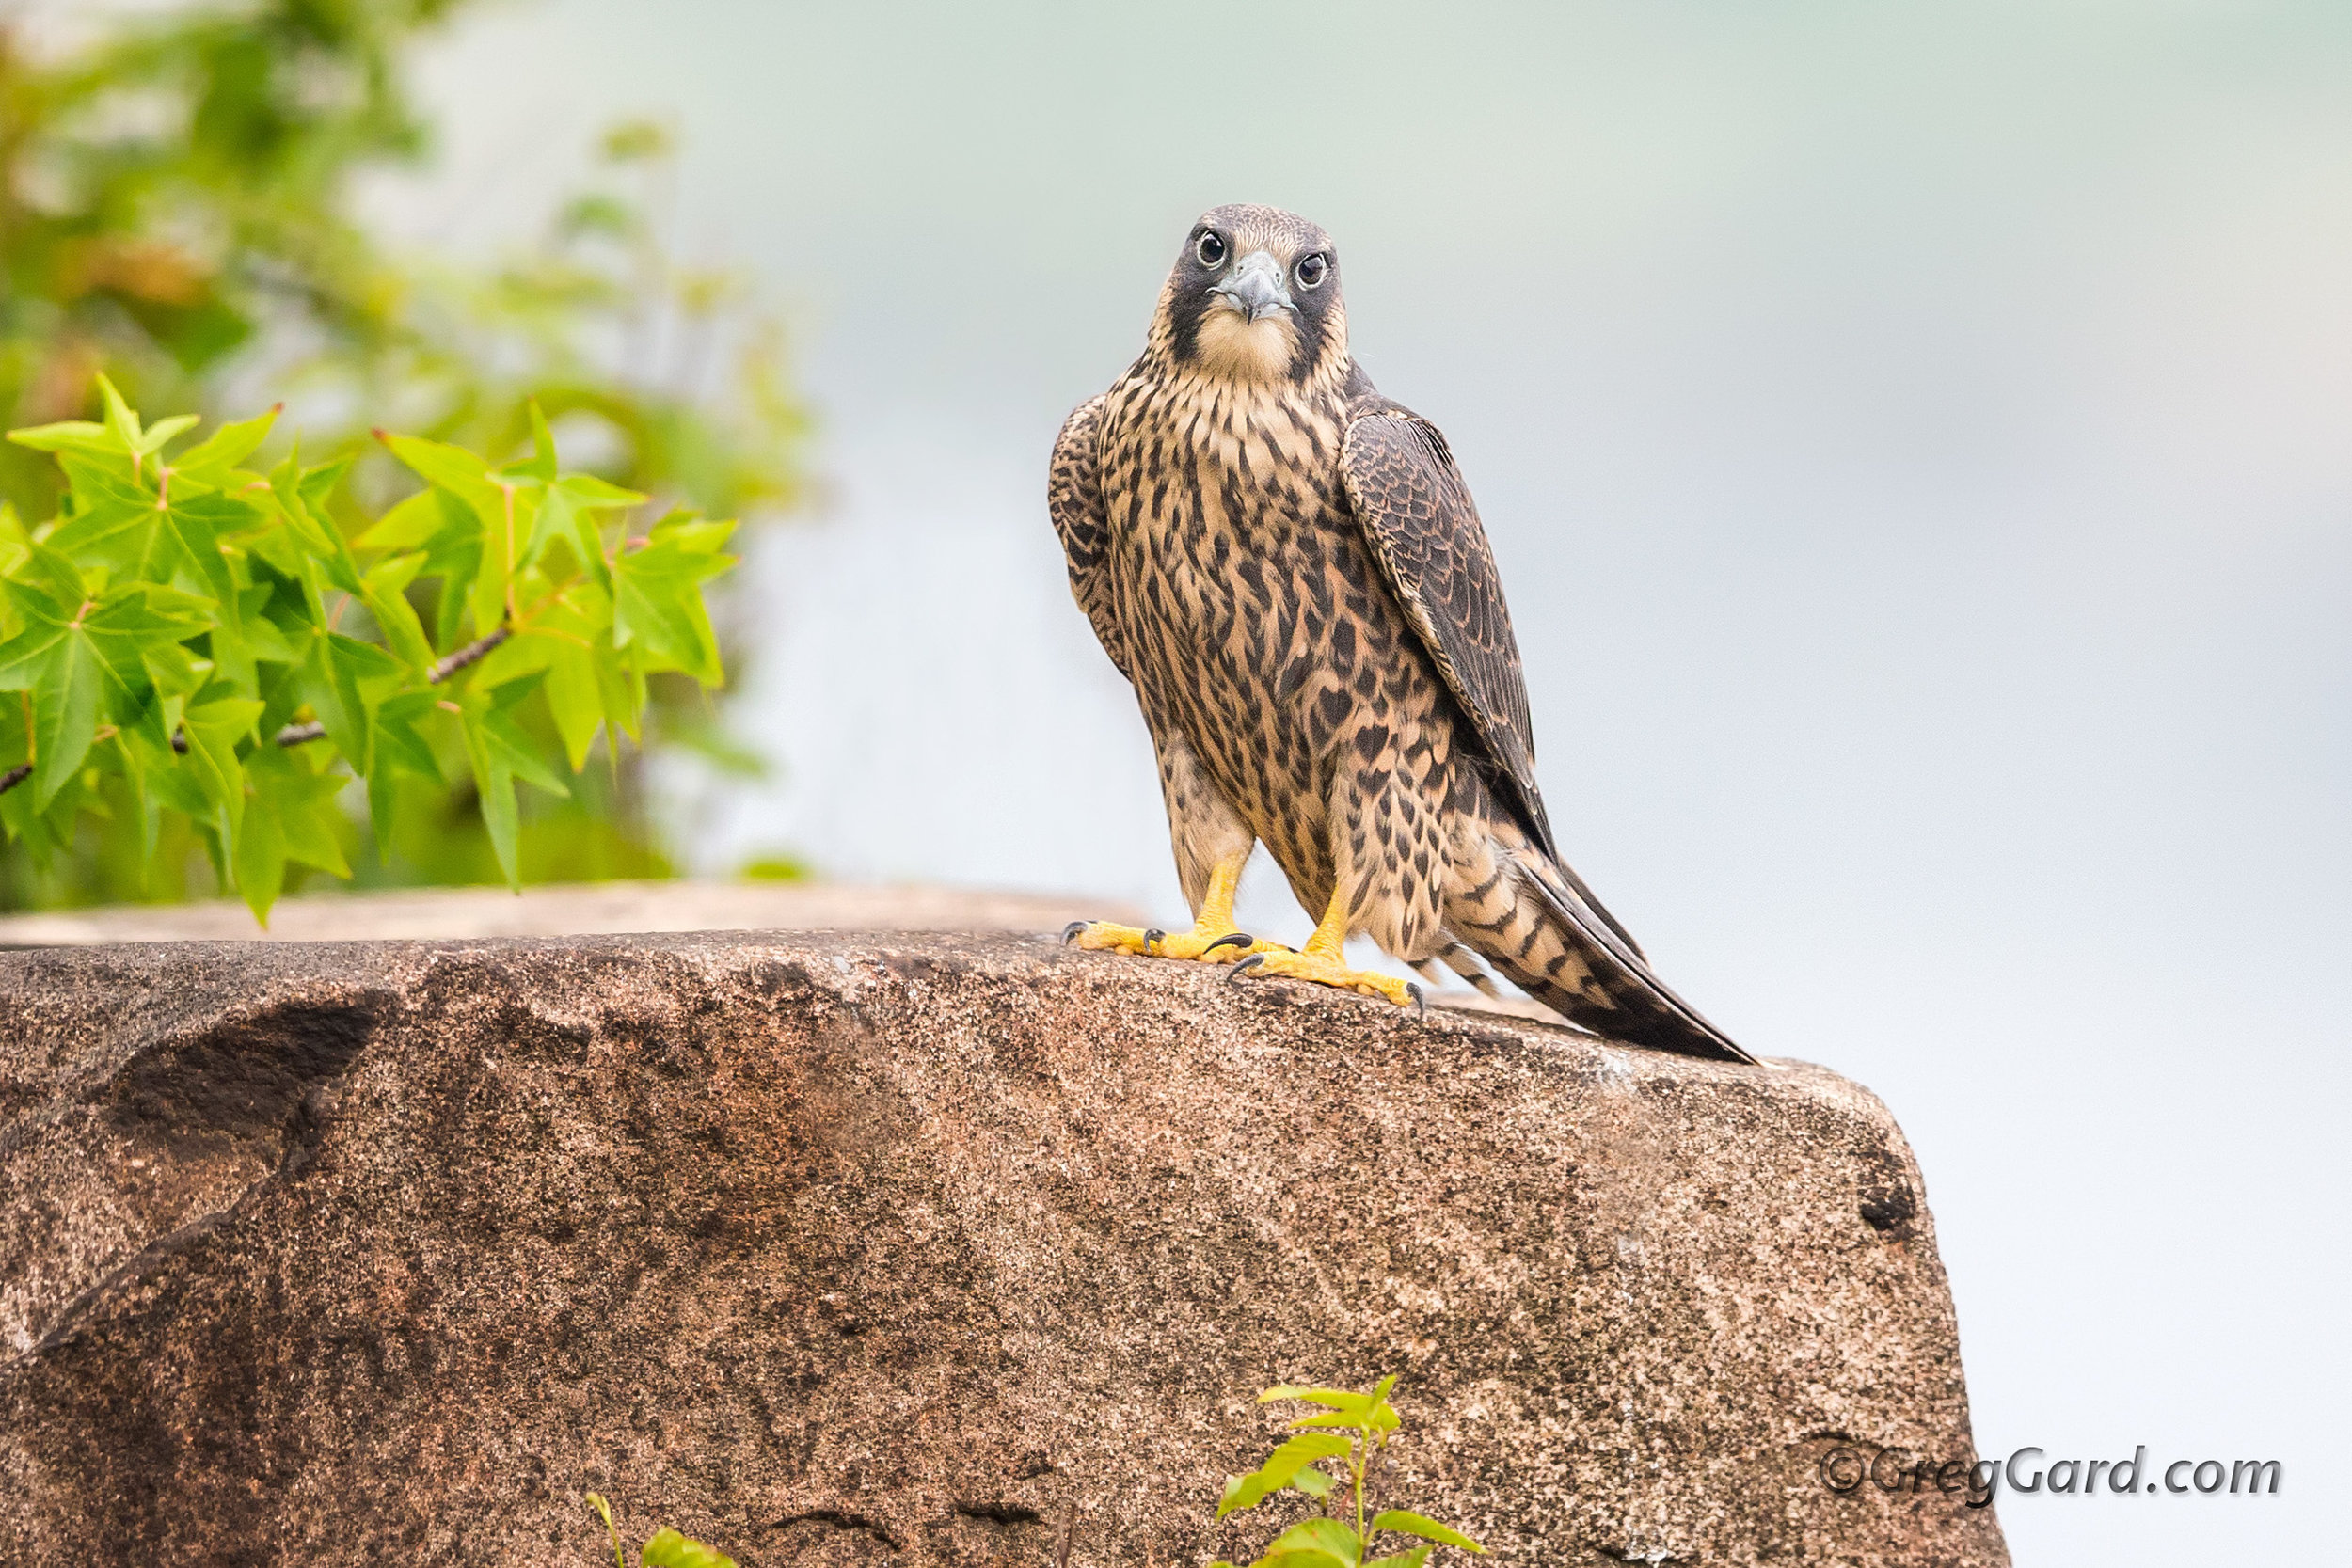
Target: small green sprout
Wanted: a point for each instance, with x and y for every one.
(1352, 1427)
(667, 1549)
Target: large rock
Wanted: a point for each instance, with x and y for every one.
(580, 909)
(915, 1250)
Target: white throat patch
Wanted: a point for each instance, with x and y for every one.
(1231, 344)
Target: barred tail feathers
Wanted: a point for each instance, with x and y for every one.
(1528, 920)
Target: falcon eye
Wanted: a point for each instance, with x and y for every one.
(1312, 268)
(1211, 250)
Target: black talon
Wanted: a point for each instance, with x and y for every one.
(1244, 967)
(1151, 937)
(1421, 1008)
(1070, 932)
(1231, 938)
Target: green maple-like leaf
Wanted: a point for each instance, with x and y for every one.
(318, 482)
(130, 529)
(107, 502)
(210, 462)
(16, 548)
(170, 779)
(656, 599)
(64, 673)
(326, 553)
(568, 511)
(214, 730)
(124, 424)
(415, 521)
(385, 586)
(505, 535)
(450, 534)
(291, 817)
(401, 749)
(497, 504)
(69, 435)
(81, 659)
(344, 681)
(541, 464)
(500, 753)
(569, 635)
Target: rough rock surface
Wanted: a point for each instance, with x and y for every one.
(831, 1249)
(441, 914)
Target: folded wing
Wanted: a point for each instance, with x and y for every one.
(1424, 531)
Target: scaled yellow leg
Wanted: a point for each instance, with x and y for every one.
(1322, 961)
(1211, 939)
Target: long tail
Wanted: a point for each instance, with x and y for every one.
(1532, 925)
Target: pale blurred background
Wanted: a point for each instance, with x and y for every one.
(1918, 441)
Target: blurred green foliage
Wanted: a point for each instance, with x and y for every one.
(177, 209)
(193, 640)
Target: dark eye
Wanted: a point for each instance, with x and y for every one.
(1211, 250)
(1312, 270)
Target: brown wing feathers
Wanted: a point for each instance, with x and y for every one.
(1073, 494)
(1412, 505)
(1411, 501)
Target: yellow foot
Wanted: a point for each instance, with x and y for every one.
(1205, 943)
(1324, 971)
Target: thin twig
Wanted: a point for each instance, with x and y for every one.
(297, 734)
(473, 653)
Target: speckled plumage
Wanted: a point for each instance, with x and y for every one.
(1289, 569)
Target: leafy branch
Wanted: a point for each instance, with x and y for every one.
(180, 208)
(1354, 1429)
(191, 627)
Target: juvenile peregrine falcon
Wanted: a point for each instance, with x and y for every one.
(1288, 568)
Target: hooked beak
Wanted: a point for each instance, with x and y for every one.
(1255, 286)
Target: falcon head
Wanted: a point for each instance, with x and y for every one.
(1254, 296)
